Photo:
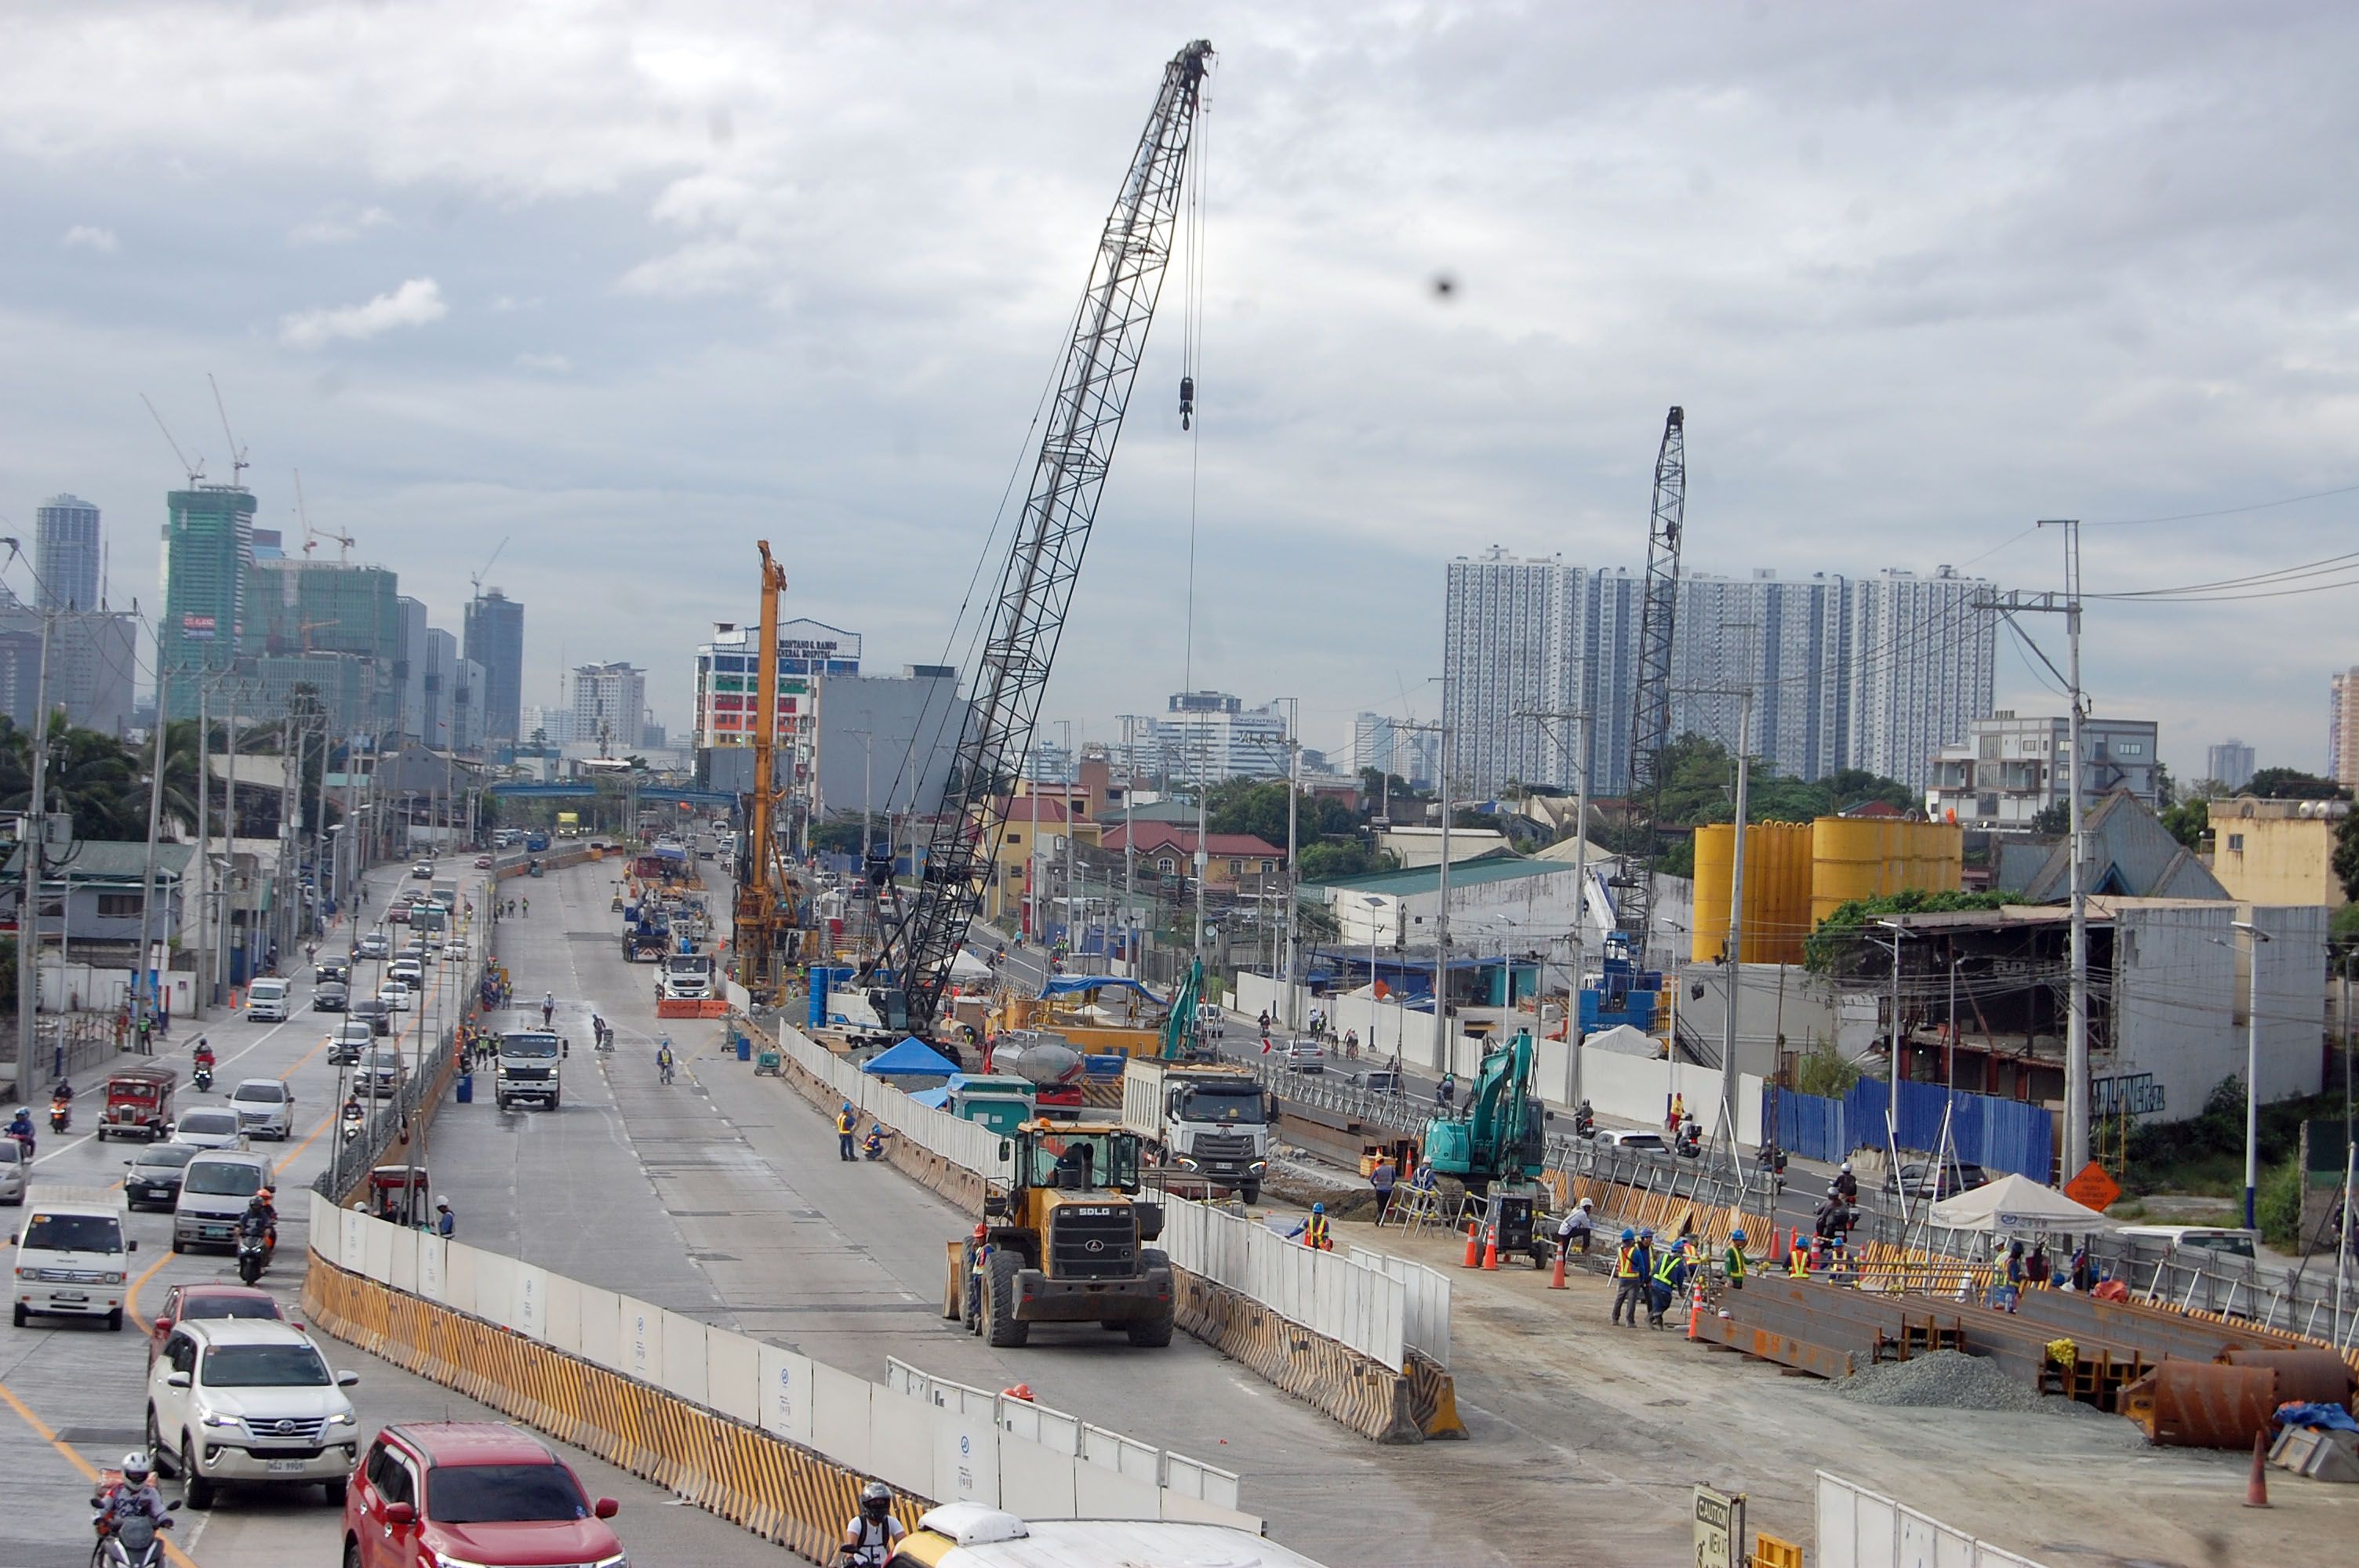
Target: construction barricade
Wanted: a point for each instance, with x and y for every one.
(751, 1432)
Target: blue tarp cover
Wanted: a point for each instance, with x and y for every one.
(913, 1058)
(936, 1099)
(1071, 985)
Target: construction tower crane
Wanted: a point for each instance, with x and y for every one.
(237, 463)
(1028, 613)
(763, 918)
(195, 471)
(312, 537)
(1650, 717)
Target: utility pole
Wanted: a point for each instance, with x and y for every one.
(1293, 801)
(29, 905)
(199, 994)
(1735, 944)
(229, 835)
(2076, 1027)
(1576, 750)
(141, 990)
(1440, 729)
(2254, 937)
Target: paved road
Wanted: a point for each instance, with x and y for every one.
(722, 1196)
(84, 1387)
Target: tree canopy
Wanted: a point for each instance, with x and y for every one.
(1835, 949)
(2292, 784)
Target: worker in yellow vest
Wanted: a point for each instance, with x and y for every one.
(1316, 1234)
(1733, 1266)
(1630, 1267)
(1798, 1260)
(845, 1123)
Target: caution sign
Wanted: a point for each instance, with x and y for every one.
(2093, 1188)
(1719, 1529)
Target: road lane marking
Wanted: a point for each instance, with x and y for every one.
(42, 1430)
(131, 1296)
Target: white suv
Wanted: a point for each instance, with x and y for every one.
(249, 1400)
(266, 1109)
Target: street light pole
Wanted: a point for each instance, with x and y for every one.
(2254, 937)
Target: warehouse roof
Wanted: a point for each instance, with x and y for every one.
(1497, 867)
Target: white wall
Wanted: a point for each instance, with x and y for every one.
(92, 989)
(2180, 993)
(928, 1446)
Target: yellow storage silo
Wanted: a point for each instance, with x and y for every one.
(1867, 857)
(1777, 871)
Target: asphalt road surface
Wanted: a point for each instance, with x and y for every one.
(73, 1395)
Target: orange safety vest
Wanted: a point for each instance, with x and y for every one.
(1626, 1260)
(1314, 1233)
(843, 1122)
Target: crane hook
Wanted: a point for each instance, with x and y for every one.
(1187, 400)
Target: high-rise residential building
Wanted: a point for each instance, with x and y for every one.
(608, 702)
(298, 607)
(1842, 673)
(208, 556)
(409, 666)
(545, 726)
(92, 657)
(437, 682)
(1922, 667)
(1376, 743)
(2342, 727)
(66, 553)
(1511, 637)
(2229, 764)
(2009, 768)
(495, 628)
(467, 716)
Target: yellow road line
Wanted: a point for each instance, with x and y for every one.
(41, 1429)
(131, 1296)
(288, 1158)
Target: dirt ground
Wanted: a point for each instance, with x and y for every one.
(1602, 1431)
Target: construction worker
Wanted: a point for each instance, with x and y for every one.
(1382, 1180)
(1575, 1227)
(1679, 1114)
(1798, 1260)
(978, 1268)
(1671, 1279)
(1630, 1267)
(1733, 1264)
(844, 1124)
(1315, 1232)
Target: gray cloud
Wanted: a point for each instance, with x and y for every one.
(1918, 278)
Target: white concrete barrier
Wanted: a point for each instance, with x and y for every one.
(1330, 1293)
(1860, 1528)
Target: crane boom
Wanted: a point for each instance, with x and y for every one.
(765, 895)
(1650, 716)
(1027, 612)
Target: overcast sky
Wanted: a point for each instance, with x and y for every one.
(630, 287)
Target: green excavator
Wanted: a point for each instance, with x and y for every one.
(1498, 1145)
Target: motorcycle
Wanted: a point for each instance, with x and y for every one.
(25, 1138)
(60, 1114)
(204, 1079)
(354, 1120)
(253, 1256)
(1584, 1121)
(134, 1541)
(1689, 1144)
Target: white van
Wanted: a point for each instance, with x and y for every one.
(72, 1257)
(265, 1001)
(2234, 1241)
(215, 1191)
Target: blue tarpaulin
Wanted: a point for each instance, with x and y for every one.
(912, 1058)
(1074, 985)
(935, 1099)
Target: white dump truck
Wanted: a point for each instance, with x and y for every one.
(1204, 1121)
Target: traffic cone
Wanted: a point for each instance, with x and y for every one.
(1777, 1259)
(1556, 1280)
(1473, 1244)
(1491, 1249)
(1695, 1305)
(2257, 1485)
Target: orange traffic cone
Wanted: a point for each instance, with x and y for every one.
(1695, 1305)
(1556, 1280)
(1473, 1244)
(1491, 1248)
(2257, 1485)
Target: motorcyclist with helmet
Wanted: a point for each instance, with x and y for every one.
(21, 1129)
(134, 1496)
(874, 1533)
(261, 1219)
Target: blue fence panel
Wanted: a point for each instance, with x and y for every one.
(2000, 1135)
(1807, 1125)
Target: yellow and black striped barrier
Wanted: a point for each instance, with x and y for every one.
(779, 1491)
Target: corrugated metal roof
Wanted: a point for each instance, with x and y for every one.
(108, 859)
(1418, 880)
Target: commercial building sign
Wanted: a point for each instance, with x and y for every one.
(196, 628)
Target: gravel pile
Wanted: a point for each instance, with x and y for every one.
(1948, 1379)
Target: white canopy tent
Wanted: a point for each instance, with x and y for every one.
(2018, 1205)
(965, 966)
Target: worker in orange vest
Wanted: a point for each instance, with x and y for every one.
(844, 1124)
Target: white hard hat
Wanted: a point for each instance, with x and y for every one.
(442, 1203)
(1584, 1203)
(1846, 1165)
